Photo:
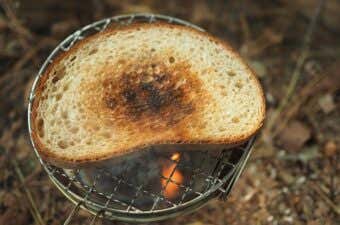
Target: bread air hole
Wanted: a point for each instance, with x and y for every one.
(54, 108)
(239, 84)
(93, 51)
(202, 125)
(58, 97)
(74, 129)
(88, 142)
(62, 144)
(58, 74)
(221, 129)
(65, 88)
(130, 36)
(40, 127)
(106, 135)
(73, 58)
(231, 73)
(64, 114)
(235, 119)
(171, 59)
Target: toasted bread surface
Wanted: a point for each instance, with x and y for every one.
(124, 89)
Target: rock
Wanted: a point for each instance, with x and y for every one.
(294, 136)
(326, 103)
(330, 148)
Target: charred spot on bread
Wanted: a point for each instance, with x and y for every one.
(149, 92)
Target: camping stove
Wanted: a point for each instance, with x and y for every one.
(154, 184)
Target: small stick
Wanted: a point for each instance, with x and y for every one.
(245, 28)
(329, 202)
(296, 73)
(36, 171)
(294, 109)
(35, 212)
(14, 23)
(30, 53)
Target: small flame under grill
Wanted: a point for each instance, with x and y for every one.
(171, 185)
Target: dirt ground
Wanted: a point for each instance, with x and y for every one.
(294, 46)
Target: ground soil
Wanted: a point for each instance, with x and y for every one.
(294, 47)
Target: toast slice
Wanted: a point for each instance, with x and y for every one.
(128, 88)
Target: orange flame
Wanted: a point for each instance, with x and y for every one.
(175, 156)
(170, 188)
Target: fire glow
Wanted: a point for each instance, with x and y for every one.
(171, 187)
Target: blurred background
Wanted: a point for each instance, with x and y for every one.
(294, 47)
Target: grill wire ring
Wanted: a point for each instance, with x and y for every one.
(205, 176)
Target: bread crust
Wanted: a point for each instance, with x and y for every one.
(64, 161)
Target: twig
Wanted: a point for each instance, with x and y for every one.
(47, 200)
(34, 210)
(245, 27)
(23, 60)
(4, 84)
(329, 202)
(296, 73)
(322, 81)
(6, 142)
(294, 108)
(15, 24)
(36, 171)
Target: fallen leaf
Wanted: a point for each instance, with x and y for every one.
(294, 136)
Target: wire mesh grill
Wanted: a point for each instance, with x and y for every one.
(151, 185)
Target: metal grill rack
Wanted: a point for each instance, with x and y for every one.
(154, 184)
